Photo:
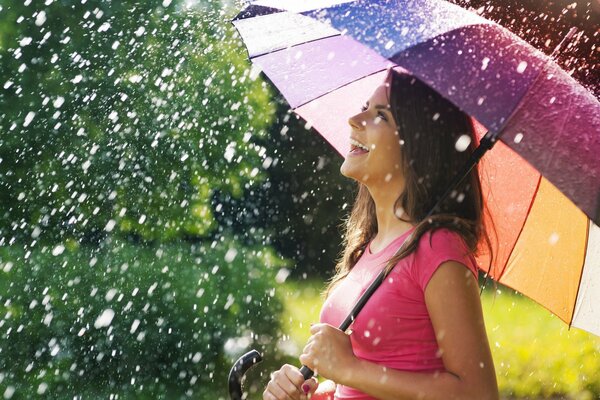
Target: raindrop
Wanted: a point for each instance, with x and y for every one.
(518, 137)
(58, 250)
(282, 275)
(9, 392)
(40, 18)
(7, 267)
(139, 31)
(104, 27)
(28, 118)
(110, 294)
(134, 326)
(389, 44)
(104, 319)
(230, 255)
(26, 41)
(553, 239)
(42, 388)
(463, 143)
(399, 212)
(58, 102)
(110, 225)
(521, 67)
(484, 63)
(36, 232)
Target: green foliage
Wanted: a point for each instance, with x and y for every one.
(123, 117)
(130, 320)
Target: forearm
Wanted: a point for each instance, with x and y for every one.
(386, 383)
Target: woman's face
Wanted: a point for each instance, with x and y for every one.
(375, 128)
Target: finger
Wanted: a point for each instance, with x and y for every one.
(294, 375)
(278, 392)
(287, 386)
(307, 348)
(310, 385)
(267, 395)
(316, 328)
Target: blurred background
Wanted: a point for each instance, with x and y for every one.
(163, 211)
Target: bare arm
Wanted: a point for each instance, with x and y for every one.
(453, 303)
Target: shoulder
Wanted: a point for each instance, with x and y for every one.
(441, 240)
(437, 247)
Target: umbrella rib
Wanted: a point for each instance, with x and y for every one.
(292, 46)
(587, 239)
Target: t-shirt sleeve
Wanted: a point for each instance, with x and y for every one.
(445, 245)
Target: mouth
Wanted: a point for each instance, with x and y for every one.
(357, 148)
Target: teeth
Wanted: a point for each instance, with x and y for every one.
(358, 144)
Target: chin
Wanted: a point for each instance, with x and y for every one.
(352, 173)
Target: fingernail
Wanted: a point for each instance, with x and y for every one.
(305, 388)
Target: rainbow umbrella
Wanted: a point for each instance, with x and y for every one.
(542, 178)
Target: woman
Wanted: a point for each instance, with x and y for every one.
(422, 334)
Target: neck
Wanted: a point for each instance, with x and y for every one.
(389, 226)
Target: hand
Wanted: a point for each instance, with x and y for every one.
(288, 383)
(329, 353)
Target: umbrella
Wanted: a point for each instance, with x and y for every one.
(543, 176)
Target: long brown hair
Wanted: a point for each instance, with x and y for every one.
(429, 127)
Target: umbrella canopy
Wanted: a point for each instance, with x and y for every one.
(542, 179)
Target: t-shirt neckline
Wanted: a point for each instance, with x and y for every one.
(392, 243)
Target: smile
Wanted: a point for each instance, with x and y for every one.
(357, 147)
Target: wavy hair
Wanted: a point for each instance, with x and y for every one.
(429, 127)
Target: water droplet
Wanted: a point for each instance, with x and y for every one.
(462, 143)
(484, 63)
(521, 67)
(58, 250)
(40, 18)
(28, 118)
(518, 137)
(104, 319)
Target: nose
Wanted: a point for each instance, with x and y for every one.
(357, 122)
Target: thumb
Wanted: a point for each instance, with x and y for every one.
(310, 385)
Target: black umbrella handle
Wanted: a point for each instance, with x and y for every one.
(243, 364)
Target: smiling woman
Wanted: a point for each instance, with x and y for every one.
(421, 334)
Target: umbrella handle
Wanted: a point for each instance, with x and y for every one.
(306, 372)
(243, 364)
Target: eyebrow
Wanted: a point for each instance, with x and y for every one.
(380, 107)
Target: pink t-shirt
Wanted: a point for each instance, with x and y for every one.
(394, 328)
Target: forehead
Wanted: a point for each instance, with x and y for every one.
(380, 96)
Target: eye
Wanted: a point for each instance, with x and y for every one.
(381, 115)
(364, 108)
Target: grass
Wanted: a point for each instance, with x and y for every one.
(536, 355)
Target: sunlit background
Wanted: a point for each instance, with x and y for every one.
(163, 212)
